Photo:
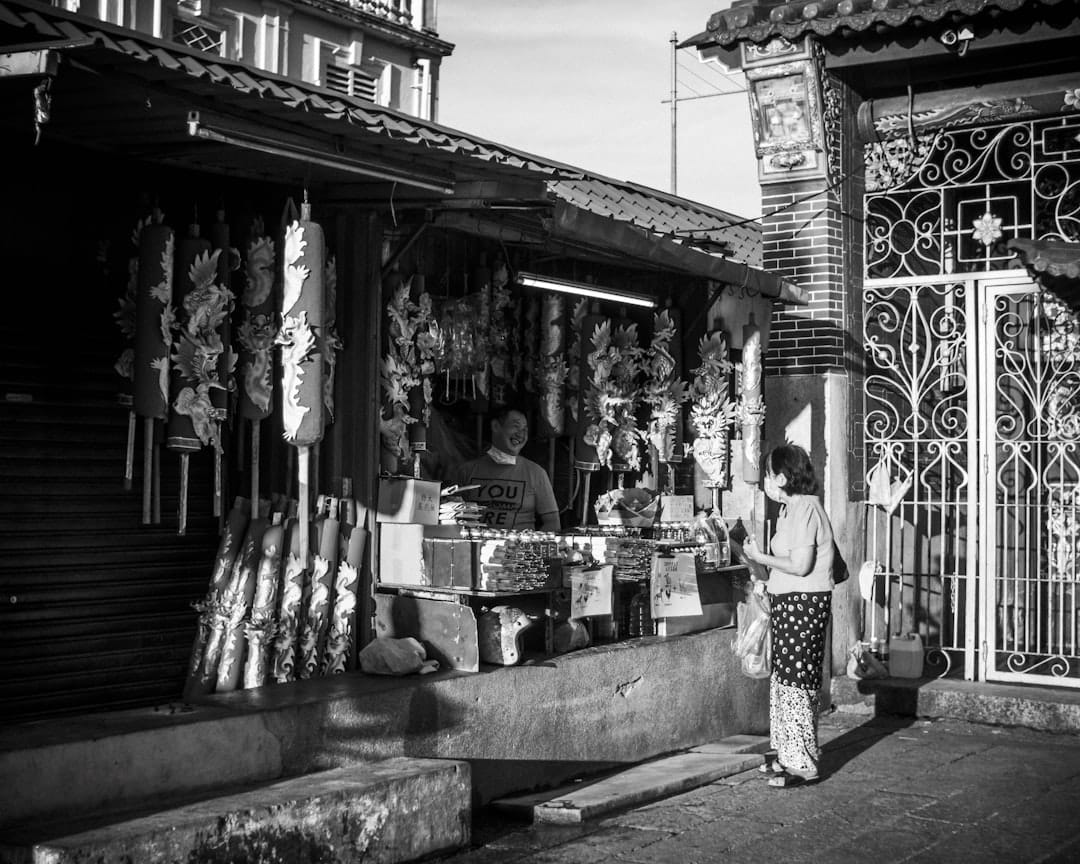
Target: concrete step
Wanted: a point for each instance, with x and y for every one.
(395, 810)
(1034, 707)
(648, 781)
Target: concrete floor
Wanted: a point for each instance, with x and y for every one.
(895, 789)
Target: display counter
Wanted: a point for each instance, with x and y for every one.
(437, 584)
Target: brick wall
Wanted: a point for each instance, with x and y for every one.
(802, 240)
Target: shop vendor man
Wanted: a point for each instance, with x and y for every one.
(514, 491)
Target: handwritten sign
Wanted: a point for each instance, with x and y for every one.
(676, 508)
(590, 591)
(674, 587)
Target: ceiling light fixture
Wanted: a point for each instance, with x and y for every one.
(198, 129)
(582, 289)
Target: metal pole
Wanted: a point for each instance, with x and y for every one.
(674, 111)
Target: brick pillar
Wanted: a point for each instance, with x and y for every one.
(802, 241)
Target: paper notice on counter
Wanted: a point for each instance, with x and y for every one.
(674, 586)
(676, 508)
(590, 591)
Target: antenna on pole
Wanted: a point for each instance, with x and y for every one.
(674, 111)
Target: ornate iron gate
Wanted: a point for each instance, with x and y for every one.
(973, 489)
(921, 437)
(972, 401)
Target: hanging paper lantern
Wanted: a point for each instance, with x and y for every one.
(153, 319)
(751, 406)
(595, 330)
(665, 391)
(262, 622)
(553, 370)
(257, 328)
(712, 412)
(229, 547)
(302, 320)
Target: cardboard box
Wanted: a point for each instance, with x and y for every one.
(449, 562)
(401, 560)
(407, 500)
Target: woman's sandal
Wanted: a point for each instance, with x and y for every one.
(770, 768)
(784, 780)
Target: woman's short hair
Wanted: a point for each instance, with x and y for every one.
(794, 463)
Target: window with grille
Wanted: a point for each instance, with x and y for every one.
(197, 35)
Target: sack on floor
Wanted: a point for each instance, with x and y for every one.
(754, 635)
(388, 656)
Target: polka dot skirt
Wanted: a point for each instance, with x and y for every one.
(798, 637)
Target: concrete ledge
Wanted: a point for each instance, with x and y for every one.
(649, 781)
(521, 728)
(1041, 708)
(391, 811)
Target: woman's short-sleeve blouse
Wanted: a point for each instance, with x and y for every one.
(803, 522)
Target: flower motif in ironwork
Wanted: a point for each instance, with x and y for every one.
(987, 228)
(1072, 99)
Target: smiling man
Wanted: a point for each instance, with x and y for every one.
(514, 491)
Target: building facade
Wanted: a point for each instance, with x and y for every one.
(384, 51)
(920, 175)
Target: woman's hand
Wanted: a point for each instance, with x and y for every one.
(751, 551)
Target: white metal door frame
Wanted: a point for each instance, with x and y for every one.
(1029, 469)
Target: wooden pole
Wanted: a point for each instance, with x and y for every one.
(585, 499)
(304, 495)
(157, 484)
(129, 457)
(148, 468)
(185, 460)
(217, 481)
(551, 458)
(255, 443)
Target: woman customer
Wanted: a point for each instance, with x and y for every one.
(800, 589)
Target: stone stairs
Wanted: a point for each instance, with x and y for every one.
(395, 810)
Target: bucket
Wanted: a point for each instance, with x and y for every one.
(906, 656)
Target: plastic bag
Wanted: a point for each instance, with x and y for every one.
(863, 664)
(754, 637)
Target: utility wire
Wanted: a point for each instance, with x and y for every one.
(699, 77)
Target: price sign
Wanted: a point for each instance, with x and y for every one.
(590, 591)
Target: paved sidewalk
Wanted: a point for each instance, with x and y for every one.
(894, 789)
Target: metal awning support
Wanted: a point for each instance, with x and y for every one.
(198, 128)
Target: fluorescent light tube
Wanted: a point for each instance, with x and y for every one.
(581, 289)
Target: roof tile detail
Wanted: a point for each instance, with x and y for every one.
(761, 20)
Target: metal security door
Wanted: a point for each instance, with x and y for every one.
(1030, 464)
(921, 437)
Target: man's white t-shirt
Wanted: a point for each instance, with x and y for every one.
(513, 496)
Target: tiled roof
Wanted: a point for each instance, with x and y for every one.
(1051, 256)
(318, 108)
(664, 214)
(760, 20)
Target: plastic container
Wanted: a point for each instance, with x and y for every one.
(906, 656)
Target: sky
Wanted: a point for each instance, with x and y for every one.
(583, 82)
